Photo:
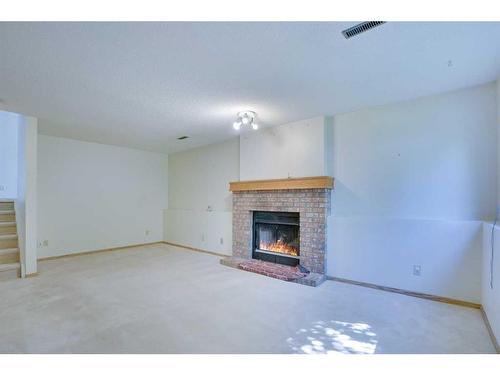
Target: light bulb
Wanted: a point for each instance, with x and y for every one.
(255, 126)
(236, 125)
(245, 120)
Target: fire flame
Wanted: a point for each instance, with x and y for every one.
(279, 247)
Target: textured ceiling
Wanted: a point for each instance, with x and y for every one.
(142, 85)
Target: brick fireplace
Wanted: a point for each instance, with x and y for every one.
(309, 197)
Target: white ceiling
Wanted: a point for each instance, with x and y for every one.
(142, 85)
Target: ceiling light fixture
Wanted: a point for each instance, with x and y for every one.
(246, 118)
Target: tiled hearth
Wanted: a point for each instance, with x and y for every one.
(312, 204)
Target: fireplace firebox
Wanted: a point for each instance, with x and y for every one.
(276, 237)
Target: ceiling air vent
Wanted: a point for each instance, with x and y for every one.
(183, 137)
(361, 28)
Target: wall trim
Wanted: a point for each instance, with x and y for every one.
(196, 249)
(409, 293)
(490, 330)
(98, 251)
(128, 247)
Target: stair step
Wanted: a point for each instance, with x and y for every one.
(8, 241)
(8, 237)
(7, 223)
(8, 227)
(9, 255)
(10, 266)
(12, 250)
(7, 218)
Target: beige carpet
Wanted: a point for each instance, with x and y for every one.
(163, 299)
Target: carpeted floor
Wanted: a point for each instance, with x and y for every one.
(163, 299)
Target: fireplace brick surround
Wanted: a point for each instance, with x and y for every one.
(313, 205)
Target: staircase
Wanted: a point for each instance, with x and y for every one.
(10, 266)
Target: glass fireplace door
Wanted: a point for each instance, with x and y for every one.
(278, 238)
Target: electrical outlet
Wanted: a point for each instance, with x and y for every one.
(2, 187)
(147, 232)
(417, 270)
(40, 244)
(222, 241)
(45, 243)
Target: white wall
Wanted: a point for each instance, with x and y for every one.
(491, 296)
(200, 204)
(412, 182)
(200, 177)
(291, 150)
(8, 154)
(382, 251)
(27, 202)
(93, 196)
(498, 137)
(433, 157)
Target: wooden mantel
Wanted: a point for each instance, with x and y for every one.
(319, 182)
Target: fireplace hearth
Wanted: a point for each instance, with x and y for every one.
(276, 237)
